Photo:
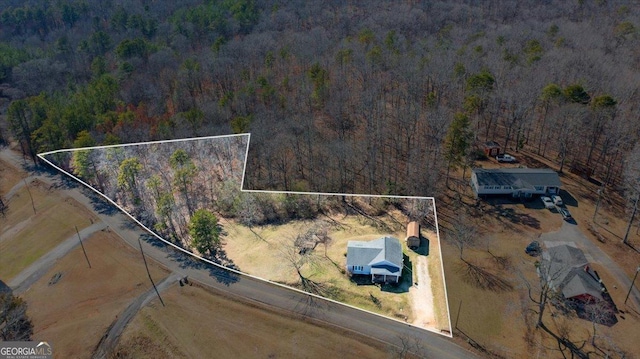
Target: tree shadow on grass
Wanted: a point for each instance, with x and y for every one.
(512, 216)
(479, 277)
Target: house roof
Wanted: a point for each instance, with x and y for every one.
(580, 282)
(517, 177)
(4, 288)
(377, 254)
(491, 144)
(570, 273)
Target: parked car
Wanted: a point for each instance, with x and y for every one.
(557, 200)
(533, 249)
(505, 158)
(548, 203)
(565, 213)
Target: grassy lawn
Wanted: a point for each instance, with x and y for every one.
(261, 251)
(199, 324)
(75, 312)
(495, 317)
(440, 308)
(9, 177)
(26, 236)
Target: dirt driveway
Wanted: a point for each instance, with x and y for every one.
(422, 297)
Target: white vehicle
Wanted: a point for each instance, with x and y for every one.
(557, 200)
(505, 158)
(548, 203)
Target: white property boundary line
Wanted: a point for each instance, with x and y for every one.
(450, 335)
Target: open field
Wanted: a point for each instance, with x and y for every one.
(497, 321)
(26, 236)
(266, 253)
(9, 176)
(75, 312)
(199, 324)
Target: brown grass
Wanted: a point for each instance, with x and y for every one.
(440, 308)
(261, 255)
(73, 314)
(495, 318)
(26, 236)
(9, 177)
(199, 324)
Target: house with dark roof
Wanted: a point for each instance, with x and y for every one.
(380, 258)
(4, 288)
(516, 182)
(568, 272)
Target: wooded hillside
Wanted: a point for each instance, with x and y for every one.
(356, 97)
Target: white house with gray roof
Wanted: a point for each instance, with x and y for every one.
(380, 258)
(517, 182)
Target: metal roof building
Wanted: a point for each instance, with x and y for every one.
(519, 182)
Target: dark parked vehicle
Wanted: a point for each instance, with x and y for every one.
(565, 213)
(533, 249)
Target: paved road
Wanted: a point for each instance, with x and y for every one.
(571, 233)
(257, 291)
(37, 269)
(110, 339)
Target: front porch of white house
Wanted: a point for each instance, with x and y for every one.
(381, 275)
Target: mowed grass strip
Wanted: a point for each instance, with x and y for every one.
(26, 236)
(197, 323)
(75, 312)
(9, 177)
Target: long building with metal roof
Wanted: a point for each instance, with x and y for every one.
(517, 182)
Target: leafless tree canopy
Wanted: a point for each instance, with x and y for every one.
(339, 97)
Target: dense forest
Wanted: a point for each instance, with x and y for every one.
(338, 96)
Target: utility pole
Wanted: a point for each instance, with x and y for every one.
(30, 196)
(600, 192)
(82, 245)
(149, 274)
(633, 214)
(633, 281)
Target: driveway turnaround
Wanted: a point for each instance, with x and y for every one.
(37, 269)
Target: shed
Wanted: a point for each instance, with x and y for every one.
(492, 148)
(413, 235)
